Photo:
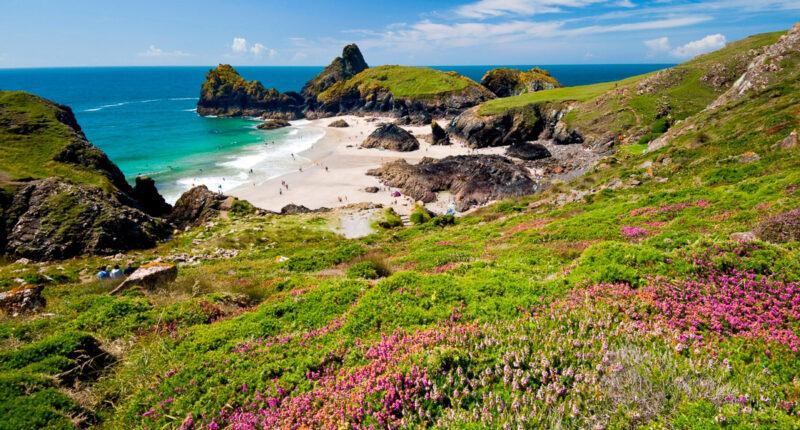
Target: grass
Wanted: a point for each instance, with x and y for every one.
(402, 81)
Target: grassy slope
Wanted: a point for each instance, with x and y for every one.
(402, 81)
(474, 289)
(31, 155)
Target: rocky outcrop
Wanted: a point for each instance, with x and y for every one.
(150, 201)
(514, 126)
(225, 93)
(22, 300)
(505, 82)
(273, 124)
(150, 276)
(387, 90)
(528, 151)
(391, 137)
(472, 179)
(339, 123)
(763, 70)
(438, 135)
(197, 206)
(54, 218)
(341, 69)
(421, 118)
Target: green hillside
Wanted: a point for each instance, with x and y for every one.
(402, 81)
(627, 298)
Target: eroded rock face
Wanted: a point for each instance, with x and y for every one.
(514, 126)
(273, 124)
(55, 219)
(150, 201)
(339, 123)
(341, 69)
(225, 93)
(505, 82)
(196, 206)
(391, 137)
(528, 151)
(472, 179)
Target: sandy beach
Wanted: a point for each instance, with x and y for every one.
(347, 164)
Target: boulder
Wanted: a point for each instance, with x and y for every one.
(790, 142)
(150, 201)
(273, 124)
(339, 123)
(22, 300)
(196, 206)
(391, 137)
(513, 126)
(472, 179)
(54, 218)
(438, 135)
(528, 151)
(150, 276)
(372, 190)
(505, 82)
(293, 209)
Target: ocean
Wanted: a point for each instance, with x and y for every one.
(144, 118)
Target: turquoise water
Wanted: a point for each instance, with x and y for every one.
(144, 118)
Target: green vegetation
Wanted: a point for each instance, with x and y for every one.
(630, 308)
(32, 137)
(579, 93)
(402, 81)
(506, 82)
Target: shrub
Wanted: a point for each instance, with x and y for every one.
(363, 270)
(780, 228)
(443, 220)
(390, 219)
(419, 215)
(242, 208)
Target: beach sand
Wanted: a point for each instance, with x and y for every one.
(346, 176)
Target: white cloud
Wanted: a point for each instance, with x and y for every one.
(258, 49)
(658, 45)
(625, 3)
(709, 43)
(239, 44)
(152, 51)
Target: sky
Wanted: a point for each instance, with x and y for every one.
(75, 33)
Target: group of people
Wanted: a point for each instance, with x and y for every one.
(116, 272)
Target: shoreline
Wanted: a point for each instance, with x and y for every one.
(339, 150)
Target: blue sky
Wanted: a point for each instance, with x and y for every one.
(41, 33)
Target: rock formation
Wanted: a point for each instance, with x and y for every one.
(438, 135)
(22, 300)
(225, 93)
(273, 124)
(151, 275)
(391, 137)
(150, 201)
(339, 123)
(505, 82)
(198, 206)
(528, 151)
(341, 69)
(472, 179)
(514, 126)
(54, 218)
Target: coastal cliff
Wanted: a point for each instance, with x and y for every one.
(341, 69)
(505, 82)
(225, 93)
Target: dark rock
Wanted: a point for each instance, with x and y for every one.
(438, 135)
(150, 201)
(341, 69)
(513, 126)
(391, 137)
(150, 276)
(372, 190)
(196, 206)
(472, 179)
(273, 124)
(225, 93)
(505, 82)
(339, 123)
(528, 151)
(22, 300)
(293, 209)
(56, 219)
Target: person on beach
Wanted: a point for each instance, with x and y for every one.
(280, 191)
(326, 168)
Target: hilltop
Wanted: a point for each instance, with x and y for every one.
(660, 289)
(341, 68)
(225, 93)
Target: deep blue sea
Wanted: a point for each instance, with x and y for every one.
(144, 118)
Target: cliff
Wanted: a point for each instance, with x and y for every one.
(341, 69)
(226, 93)
(505, 82)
